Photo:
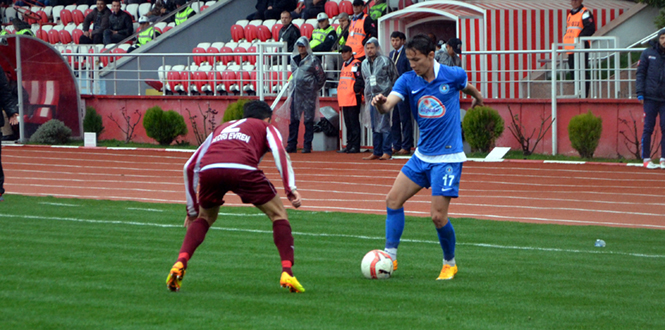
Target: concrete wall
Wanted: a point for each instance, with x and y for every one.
(612, 144)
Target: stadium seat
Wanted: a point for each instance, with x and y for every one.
(87, 12)
(162, 72)
(346, 6)
(269, 23)
(199, 59)
(44, 17)
(53, 37)
(48, 10)
(76, 35)
(78, 17)
(43, 99)
(226, 59)
(242, 23)
(133, 9)
(237, 32)
(331, 9)
(251, 59)
(41, 34)
(66, 17)
(56, 13)
(275, 31)
(251, 32)
(65, 37)
(239, 59)
(204, 7)
(144, 9)
(118, 50)
(306, 30)
(200, 79)
(263, 33)
(172, 80)
(212, 59)
(166, 29)
(83, 7)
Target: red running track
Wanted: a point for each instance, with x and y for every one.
(590, 194)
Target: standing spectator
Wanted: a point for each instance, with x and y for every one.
(579, 23)
(342, 30)
(146, 34)
(379, 74)
(402, 122)
(307, 9)
(120, 25)
(229, 162)
(349, 98)
(8, 102)
(306, 81)
(440, 49)
(651, 93)
(361, 29)
(289, 32)
(276, 7)
(323, 37)
(184, 12)
(100, 17)
(451, 56)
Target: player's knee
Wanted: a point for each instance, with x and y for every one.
(439, 220)
(392, 202)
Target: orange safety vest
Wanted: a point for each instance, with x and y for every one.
(346, 97)
(574, 26)
(356, 36)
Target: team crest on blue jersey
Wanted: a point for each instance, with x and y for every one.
(430, 107)
(444, 89)
(448, 169)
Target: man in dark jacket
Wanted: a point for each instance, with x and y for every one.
(402, 121)
(99, 16)
(309, 9)
(120, 25)
(276, 7)
(8, 102)
(289, 32)
(651, 92)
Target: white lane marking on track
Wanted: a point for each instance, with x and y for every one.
(485, 245)
(57, 204)
(144, 209)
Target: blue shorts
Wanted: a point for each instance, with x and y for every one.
(443, 178)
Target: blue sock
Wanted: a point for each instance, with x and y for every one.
(394, 227)
(447, 240)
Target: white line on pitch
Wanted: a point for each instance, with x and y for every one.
(57, 204)
(144, 209)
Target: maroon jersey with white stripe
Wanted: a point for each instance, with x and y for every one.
(239, 144)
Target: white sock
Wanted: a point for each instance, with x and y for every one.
(450, 262)
(392, 252)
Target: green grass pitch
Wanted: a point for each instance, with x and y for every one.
(86, 264)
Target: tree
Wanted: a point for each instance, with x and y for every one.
(659, 21)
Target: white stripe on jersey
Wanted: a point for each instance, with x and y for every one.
(229, 165)
(275, 141)
(191, 185)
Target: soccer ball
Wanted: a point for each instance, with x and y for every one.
(377, 265)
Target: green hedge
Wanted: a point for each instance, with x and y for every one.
(164, 126)
(482, 127)
(92, 122)
(52, 132)
(234, 111)
(584, 133)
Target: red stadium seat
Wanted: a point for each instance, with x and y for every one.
(173, 78)
(264, 33)
(214, 79)
(275, 31)
(87, 11)
(185, 78)
(76, 35)
(199, 59)
(226, 59)
(331, 9)
(66, 17)
(200, 79)
(43, 16)
(244, 80)
(306, 30)
(251, 32)
(65, 37)
(239, 59)
(237, 32)
(167, 28)
(204, 8)
(41, 34)
(105, 59)
(346, 6)
(252, 79)
(229, 79)
(251, 59)
(78, 17)
(53, 37)
(118, 51)
(213, 59)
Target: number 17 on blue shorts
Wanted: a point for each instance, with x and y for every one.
(443, 178)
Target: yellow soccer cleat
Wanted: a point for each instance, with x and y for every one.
(174, 280)
(288, 281)
(394, 265)
(447, 272)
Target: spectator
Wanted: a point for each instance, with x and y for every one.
(651, 93)
(146, 34)
(362, 28)
(276, 7)
(349, 98)
(8, 102)
(440, 49)
(323, 38)
(184, 12)
(402, 121)
(261, 7)
(157, 11)
(450, 56)
(579, 23)
(120, 25)
(22, 27)
(342, 30)
(100, 17)
(378, 9)
(306, 81)
(379, 74)
(309, 9)
(289, 32)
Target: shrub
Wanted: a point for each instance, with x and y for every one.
(234, 110)
(584, 133)
(92, 122)
(482, 127)
(52, 132)
(164, 126)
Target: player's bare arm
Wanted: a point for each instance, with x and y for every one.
(385, 104)
(473, 92)
(295, 199)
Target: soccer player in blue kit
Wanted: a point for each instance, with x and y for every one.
(432, 90)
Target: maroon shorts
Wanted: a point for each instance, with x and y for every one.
(251, 185)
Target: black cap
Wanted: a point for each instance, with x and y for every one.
(358, 2)
(345, 49)
(456, 44)
(661, 32)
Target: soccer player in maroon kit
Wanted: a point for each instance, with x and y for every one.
(228, 161)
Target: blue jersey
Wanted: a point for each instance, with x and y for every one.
(435, 106)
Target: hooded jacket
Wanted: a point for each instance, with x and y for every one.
(651, 72)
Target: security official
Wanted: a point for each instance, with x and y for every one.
(579, 23)
(147, 34)
(349, 97)
(184, 12)
(342, 30)
(323, 38)
(361, 29)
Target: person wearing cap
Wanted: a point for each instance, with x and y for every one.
(307, 9)
(450, 56)
(100, 17)
(120, 25)
(579, 23)
(349, 99)
(306, 81)
(342, 30)
(379, 74)
(289, 32)
(362, 28)
(651, 93)
(323, 38)
(402, 121)
(146, 34)
(184, 12)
